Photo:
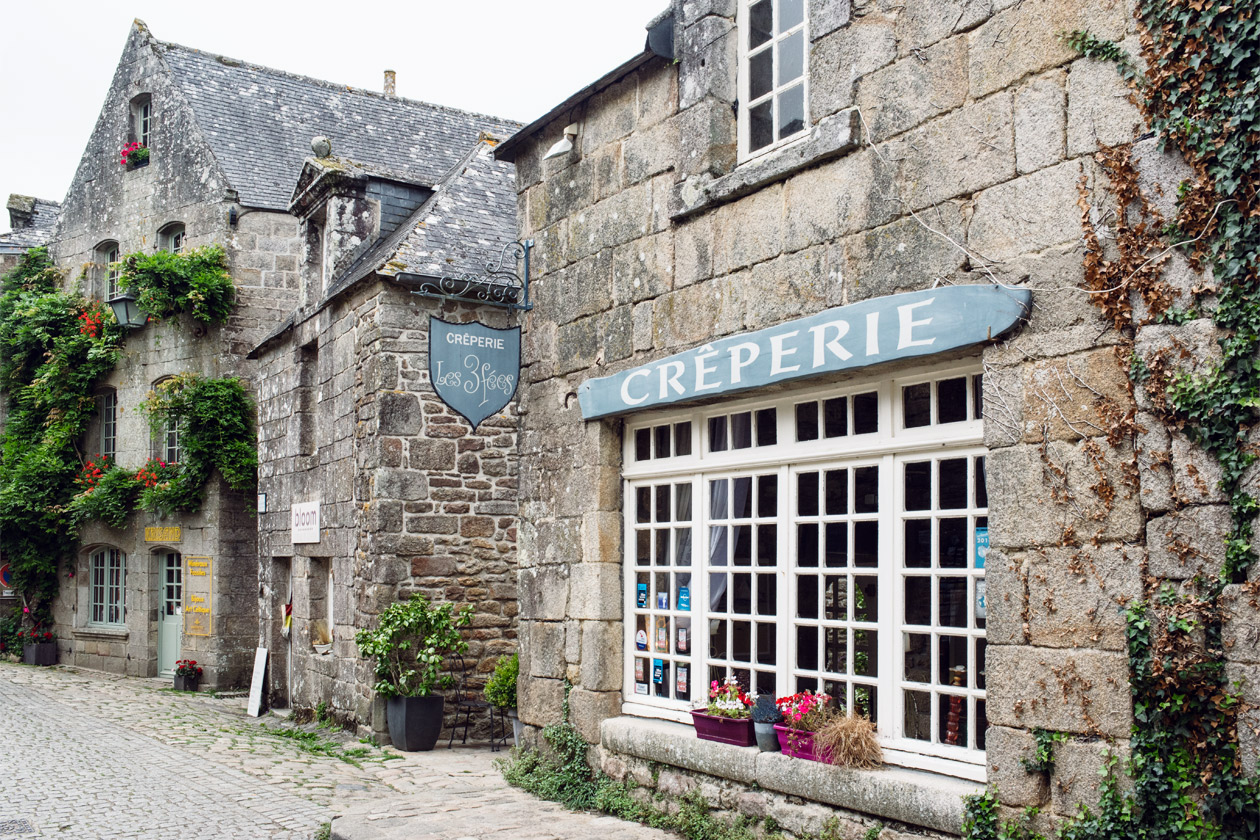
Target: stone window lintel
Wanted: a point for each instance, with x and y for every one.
(831, 137)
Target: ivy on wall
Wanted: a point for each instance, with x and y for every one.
(1200, 92)
(196, 282)
(56, 348)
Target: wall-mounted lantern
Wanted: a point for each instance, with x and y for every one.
(127, 310)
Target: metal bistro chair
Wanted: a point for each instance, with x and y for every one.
(468, 699)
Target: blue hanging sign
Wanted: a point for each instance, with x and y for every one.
(882, 329)
(474, 368)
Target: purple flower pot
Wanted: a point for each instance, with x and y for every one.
(797, 743)
(724, 730)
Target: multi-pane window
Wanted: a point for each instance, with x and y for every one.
(774, 49)
(108, 581)
(109, 424)
(106, 258)
(171, 238)
(831, 541)
(172, 583)
(142, 118)
(170, 441)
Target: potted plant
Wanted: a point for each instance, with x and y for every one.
(187, 674)
(39, 647)
(803, 715)
(410, 644)
(134, 155)
(500, 691)
(765, 714)
(726, 719)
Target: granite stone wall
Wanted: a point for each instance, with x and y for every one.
(130, 205)
(411, 499)
(950, 143)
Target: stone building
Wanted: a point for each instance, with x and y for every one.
(228, 143)
(764, 434)
(30, 224)
(406, 497)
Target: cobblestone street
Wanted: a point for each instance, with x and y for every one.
(92, 756)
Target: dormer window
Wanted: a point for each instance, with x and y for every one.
(772, 72)
(171, 238)
(108, 270)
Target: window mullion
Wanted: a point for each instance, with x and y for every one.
(889, 702)
(785, 567)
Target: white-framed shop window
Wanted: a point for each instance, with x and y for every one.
(832, 540)
(107, 578)
(773, 74)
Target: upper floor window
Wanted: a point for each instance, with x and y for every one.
(109, 423)
(106, 257)
(142, 118)
(171, 238)
(772, 73)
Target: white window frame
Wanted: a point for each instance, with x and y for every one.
(172, 583)
(106, 255)
(109, 423)
(143, 114)
(170, 445)
(107, 585)
(890, 447)
(744, 79)
(172, 237)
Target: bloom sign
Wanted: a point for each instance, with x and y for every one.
(474, 368)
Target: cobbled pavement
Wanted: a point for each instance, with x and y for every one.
(86, 755)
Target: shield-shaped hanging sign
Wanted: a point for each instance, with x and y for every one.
(474, 368)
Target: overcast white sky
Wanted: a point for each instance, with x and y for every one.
(508, 58)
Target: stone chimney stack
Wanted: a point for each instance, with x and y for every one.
(389, 82)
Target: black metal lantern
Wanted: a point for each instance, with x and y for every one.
(127, 310)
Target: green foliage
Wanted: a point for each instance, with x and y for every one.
(981, 820)
(873, 832)
(111, 501)
(411, 643)
(10, 626)
(564, 776)
(1097, 48)
(215, 418)
(1043, 758)
(166, 284)
(54, 349)
(765, 711)
(500, 689)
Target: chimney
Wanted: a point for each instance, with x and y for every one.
(389, 82)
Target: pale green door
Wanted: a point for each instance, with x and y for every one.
(170, 612)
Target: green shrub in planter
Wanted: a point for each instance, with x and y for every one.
(500, 689)
(411, 644)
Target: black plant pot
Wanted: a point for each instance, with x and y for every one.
(414, 722)
(40, 653)
(186, 683)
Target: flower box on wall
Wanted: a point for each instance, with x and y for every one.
(40, 653)
(724, 730)
(797, 743)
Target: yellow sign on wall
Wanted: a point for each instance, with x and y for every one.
(169, 534)
(198, 596)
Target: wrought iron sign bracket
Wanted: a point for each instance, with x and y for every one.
(497, 286)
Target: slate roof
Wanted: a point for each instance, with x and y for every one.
(462, 227)
(259, 123)
(38, 227)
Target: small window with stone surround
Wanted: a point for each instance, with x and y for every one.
(106, 268)
(830, 540)
(141, 110)
(171, 237)
(773, 74)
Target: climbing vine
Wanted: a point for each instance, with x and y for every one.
(166, 284)
(1200, 92)
(56, 348)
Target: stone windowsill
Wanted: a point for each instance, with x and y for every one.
(913, 797)
(831, 137)
(101, 633)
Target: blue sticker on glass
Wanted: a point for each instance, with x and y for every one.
(982, 546)
(684, 598)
